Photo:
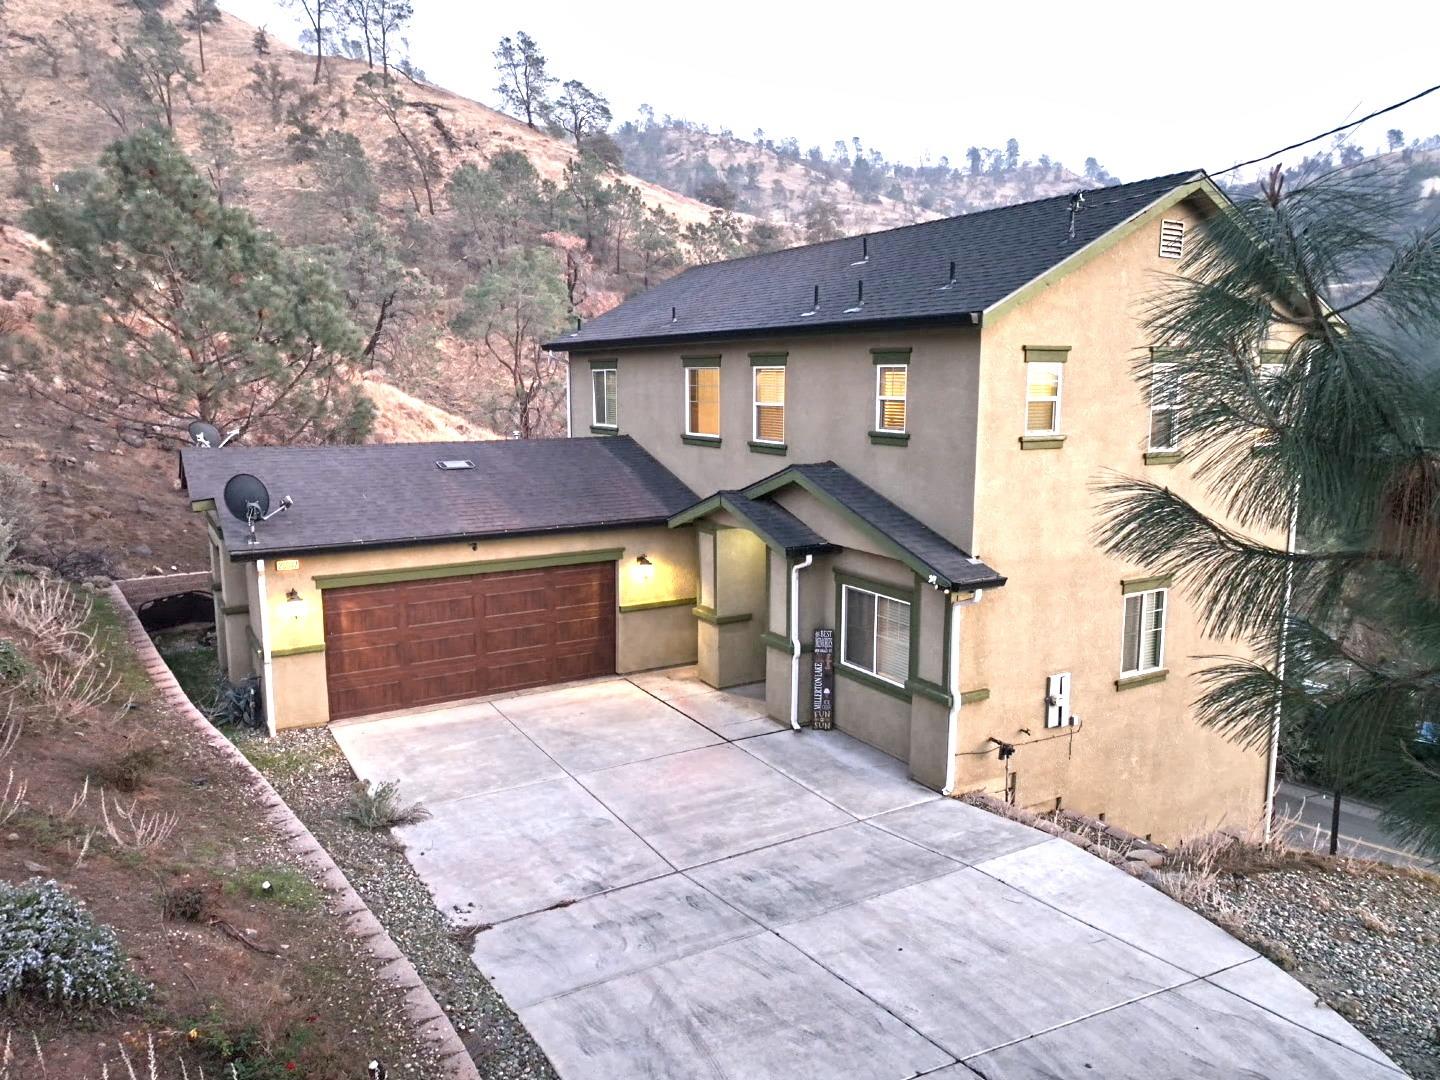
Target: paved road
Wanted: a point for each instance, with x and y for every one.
(678, 888)
(1360, 832)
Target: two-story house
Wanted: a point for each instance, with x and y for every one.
(895, 436)
(891, 437)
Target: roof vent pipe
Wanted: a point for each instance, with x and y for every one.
(864, 252)
(672, 314)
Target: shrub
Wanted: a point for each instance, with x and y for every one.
(381, 808)
(51, 947)
(190, 904)
(128, 771)
(12, 665)
(17, 509)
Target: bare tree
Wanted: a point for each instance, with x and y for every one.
(410, 148)
(319, 14)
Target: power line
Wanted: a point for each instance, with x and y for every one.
(1332, 131)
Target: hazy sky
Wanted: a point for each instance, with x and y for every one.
(1147, 88)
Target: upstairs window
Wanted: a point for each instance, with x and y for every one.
(1172, 239)
(769, 402)
(702, 401)
(1142, 648)
(1164, 406)
(875, 634)
(891, 383)
(1043, 384)
(605, 400)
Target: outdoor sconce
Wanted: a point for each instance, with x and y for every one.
(293, 603)
(646, 568)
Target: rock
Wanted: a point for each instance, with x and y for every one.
(95, 446)
(65, 461)
(36, 868)
(1147, 857)
(144, 551)
(129, 438)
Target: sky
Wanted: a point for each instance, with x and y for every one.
(1147, 88)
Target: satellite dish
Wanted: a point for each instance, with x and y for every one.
(204, 434)
(248, 499)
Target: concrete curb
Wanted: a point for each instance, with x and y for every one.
(430, 1021)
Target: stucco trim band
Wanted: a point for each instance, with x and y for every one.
(489, 566)
(682, 601)
(707, 615)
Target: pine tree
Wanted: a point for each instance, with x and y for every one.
(524, 86)
(1299, 335)
(166, 306)
(198, 15)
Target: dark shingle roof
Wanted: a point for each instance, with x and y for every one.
(358, 496)
(776, 525)
(995, 252)
(928, 552)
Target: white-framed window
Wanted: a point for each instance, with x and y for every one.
(891, 383)
(769, 401)
(702, 401)
(1142, 646)
(1164, 406)
(875, 634)
(605, 399)
(1044, 383)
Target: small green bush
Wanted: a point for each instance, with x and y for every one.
(12, 665)
(277, 884)
(381, 808)
(51, 947)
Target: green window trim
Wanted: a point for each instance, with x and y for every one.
(974, 697)
(865, 679)
(709, 360)
(779, 449)
(1159, 355)
(700, 440)
(890, 356)
(1129, 682)
(1146, 584)
(200, 506)
(893, 592)
(769, 359)
(604, 429)
(1042, 442)
(489, 566)
(890, 438)
(1274, 356)
(298, 650)
(604, 365)
(655, 605)
(927, 689)
(1046, 354)
(707, 615)
(236, 609)
(1164, 457)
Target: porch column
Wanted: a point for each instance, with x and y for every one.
(731, 611)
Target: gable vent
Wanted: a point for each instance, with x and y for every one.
(454, 464)
(1172, 239)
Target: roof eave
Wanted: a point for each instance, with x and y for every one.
(963, 318)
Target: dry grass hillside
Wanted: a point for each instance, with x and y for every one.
(70, 130)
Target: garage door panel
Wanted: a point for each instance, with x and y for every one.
(420, 643)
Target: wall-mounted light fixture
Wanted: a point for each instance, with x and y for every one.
(644, 567)
(294, 604)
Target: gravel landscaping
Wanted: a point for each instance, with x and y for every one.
(312, 775)
(1363, 936)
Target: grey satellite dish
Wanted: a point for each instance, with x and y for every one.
(203, 433)
(248, 499)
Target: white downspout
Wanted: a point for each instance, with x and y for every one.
(794, 614)
(568, 403)
(952, 667)
(265, 660)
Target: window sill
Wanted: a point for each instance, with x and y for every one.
(1129, 682)
(1042, 442)
(604, 429)
(1164, 457)
(768, 448)
(890, 438)
(700, 440)
(874, 683)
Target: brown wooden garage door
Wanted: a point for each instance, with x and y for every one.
(414, 643)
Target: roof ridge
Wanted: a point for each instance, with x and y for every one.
(1194, 173)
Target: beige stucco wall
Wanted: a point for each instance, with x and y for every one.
(645, 638)
(830, 407)
(1139, 756)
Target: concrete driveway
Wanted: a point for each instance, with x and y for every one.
(677, 887)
